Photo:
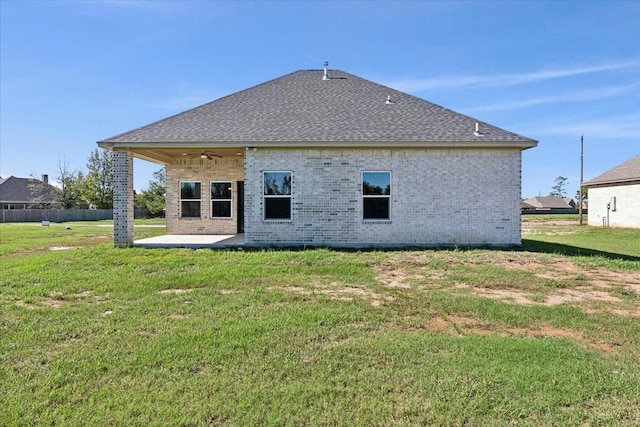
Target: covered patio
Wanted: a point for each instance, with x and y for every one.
(203, 219)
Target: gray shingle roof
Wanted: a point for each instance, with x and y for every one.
(625, 172)
(301, 107)
(548, 202)
(26, 190)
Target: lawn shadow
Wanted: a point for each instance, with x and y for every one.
(559, 248)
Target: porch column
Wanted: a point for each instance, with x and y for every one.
(122, 198)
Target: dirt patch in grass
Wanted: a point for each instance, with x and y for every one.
(606, 278)
(58, 300)
(62, 248)
(507, 295)
(526, 279)
(337, 291)
(564, 296)
(175, 291)
(464, 325)
(631, 313)
(560, 281)
(556, 227)
(176, 316)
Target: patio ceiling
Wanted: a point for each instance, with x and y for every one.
(167, 156)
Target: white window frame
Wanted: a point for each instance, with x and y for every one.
(283, 196)
(230, 200)
(377, 196)
(190, 200)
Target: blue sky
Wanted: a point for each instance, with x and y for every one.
(73, 73)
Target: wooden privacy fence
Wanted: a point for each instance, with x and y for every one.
(61, 215)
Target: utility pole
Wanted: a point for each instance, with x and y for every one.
(581, 167)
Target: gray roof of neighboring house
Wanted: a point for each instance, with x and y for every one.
(548, 202)
(302, 107)
(625, 172)
(26, 190)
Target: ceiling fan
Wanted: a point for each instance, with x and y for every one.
(203, 155)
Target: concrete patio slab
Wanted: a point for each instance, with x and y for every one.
(192, 241)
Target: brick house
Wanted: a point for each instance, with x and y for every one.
(614, 196)
(326, 158)
(28, 193)
(553, 204)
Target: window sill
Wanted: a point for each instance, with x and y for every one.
(376, 221)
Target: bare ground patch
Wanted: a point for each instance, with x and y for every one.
(175, 291)
(559, 282)
(177, 316)
(338, 291)
(463, 325)
(58, 300)
(568, 283)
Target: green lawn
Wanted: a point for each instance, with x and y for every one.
(96, 335)
(573, 239)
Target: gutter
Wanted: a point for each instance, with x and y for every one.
(109, 145)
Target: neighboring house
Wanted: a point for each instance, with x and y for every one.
(550, 204)
(572, 203)
(27, 193)
(326, 158)
(614, 196)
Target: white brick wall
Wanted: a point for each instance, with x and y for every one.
(439, 197)
(627, 212)
(122, 198)
(227, 169)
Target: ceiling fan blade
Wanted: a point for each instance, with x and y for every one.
(203, 155)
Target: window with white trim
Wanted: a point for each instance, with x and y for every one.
(376, 196)
(277, 195)
(220, 200)
(190, 199)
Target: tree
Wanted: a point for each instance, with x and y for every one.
(585, 194)
(153, 197)
(70, 186)
(97, 185)
(558, 189)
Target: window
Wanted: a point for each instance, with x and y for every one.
(190, 198)
(376, 195)
(220, 200)
(277, 195)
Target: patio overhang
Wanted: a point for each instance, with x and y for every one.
(166, 154)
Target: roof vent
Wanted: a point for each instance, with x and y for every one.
(326, 72)
(477, 132)
(389, 101)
